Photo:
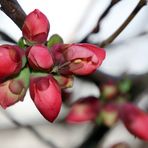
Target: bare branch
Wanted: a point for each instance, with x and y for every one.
(30, 128)
(124, 25)
(97, 27)
(104, 14)
(14, 11)
(6, 37)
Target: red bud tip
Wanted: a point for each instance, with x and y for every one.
(36, 27)
(39, 58)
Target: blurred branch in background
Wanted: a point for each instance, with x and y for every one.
(104, 14)
(141, 34)
(96, 135)
(49, 143)
(139, 85)
(6, 37)
(110, 39)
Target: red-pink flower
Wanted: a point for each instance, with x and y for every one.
(83, 110)
(14, 90)
(36, 27)
(46, 95)
(80, 59)
(11, 60)
(39, 58)
(135, 120)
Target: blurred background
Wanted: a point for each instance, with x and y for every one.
(23, 126)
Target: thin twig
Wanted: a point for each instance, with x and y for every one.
(124, 25)
(30, 128)
(104, 14)
(97, 27)
(141, 34)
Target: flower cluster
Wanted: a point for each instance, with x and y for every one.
(45, 66)
(111, 106)
(104, 108)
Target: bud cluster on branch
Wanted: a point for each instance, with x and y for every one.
(44, 66)
(47, 66)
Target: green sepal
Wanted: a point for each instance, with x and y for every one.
(21, 43)
(38, 74)
(54, 39)
(24, 43)
(24, 75)
(125, 85)
(24, 61)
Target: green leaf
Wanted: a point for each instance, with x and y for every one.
(21, 43)
(24, 76)
(125, 86)
(54, 39)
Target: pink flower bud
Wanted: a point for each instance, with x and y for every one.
(11, 60)
(135, 120)
(83, 110)
(39, 58)
(14, 90)
(46, 95)
(80, 59)
(36, 27)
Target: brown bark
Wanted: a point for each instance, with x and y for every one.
(14, 11)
